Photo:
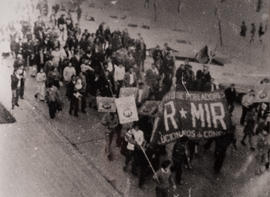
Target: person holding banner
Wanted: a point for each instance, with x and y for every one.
(164, 180)
(111, 122)
(180, 156)
(135, 138)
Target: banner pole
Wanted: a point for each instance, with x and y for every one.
(147, 159)
(184, 86)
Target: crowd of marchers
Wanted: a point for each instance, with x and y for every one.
(59, 55)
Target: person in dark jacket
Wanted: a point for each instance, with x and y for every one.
(75, 98)
(53, 100)
(15, 84)
(180, 157)
(243, 29)
(230, 94)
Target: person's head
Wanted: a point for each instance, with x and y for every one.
(182, 67)
(106, 72)
(205, 68)
(41, 70)
(131, 70)
(70, 64)
(251, 92)
(136, 126)
(264, 106)
(165, 164)
(232, 85)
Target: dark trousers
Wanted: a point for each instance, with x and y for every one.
(162, 192)
(15, 97)
(22, 88)
(74, 106)
(83, 102)
(143, 172)
(177, 167)
(243, 116)
(220, 156)
(52, 108)
(231, 107)
(208, 144)
(129, 156)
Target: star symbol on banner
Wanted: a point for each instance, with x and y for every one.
(183, 113)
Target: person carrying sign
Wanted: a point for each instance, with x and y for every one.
(111, 122)
(135, 138)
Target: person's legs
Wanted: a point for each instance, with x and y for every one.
(142, 176)
(22, 89)
(83, 103)
(243, 139)
(250, 142)
(13, 100)
(17, 97)
(160, 192)
(129, 156)
(243, 116)
(71, 106)
(76, 107)
(51, 109)
(220, 156)
(178, 171)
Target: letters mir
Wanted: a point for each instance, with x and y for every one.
(204, 115)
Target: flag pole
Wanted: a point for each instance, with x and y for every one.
(150, 164)
(185, 86)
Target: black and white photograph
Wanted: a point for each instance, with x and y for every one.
(134, 98)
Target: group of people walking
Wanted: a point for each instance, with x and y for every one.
(62, 56)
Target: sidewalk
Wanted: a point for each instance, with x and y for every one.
(37, 161)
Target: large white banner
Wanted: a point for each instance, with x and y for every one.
(126, 109)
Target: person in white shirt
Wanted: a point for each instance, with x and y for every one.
(68, 72)
(130, 78)
(246, 102)
(56, 57)
(135, 139)
(119, 75)
(41, 89)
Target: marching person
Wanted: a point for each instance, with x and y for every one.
(252, 32)
(15, 87)
(164, 180)
(53, 100)
(246, 102)
(22, 81)
(180, 157)
(135, 139)
(243, 29)
(75, 97)
(261, 32)
(263, 145)
(230, 94)
(249, 129)
(41, 88)
(111, 122)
